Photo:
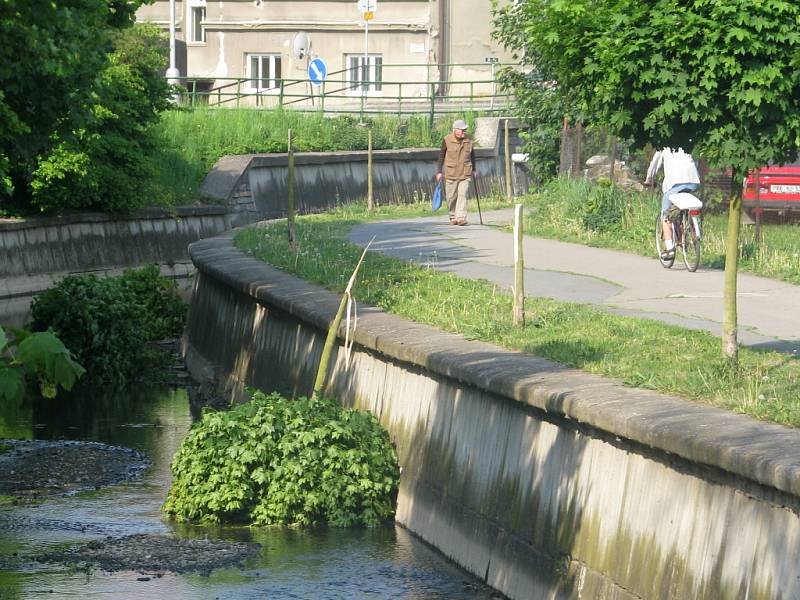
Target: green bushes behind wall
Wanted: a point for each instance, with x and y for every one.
(106, 322)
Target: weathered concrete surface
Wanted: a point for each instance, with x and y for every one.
(35, 253)
(544, 480)
(324, 180)
(255, 185)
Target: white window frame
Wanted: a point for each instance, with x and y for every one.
(273, 76)
(191, 33)
(374, 75)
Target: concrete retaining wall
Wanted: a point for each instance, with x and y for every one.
(325, 180)
(35, 253)
(255, 185)
(545, 481)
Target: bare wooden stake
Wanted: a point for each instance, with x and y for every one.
(290, 191)
(758, 210)
(507, 150)
(519, 269)
(322, 370)
(730, 314)
(370, 199)
(612, 153)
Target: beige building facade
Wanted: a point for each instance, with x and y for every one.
(248, 47)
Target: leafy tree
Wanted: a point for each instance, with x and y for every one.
(105, 165)
(542, 109)
(720, 78)
(50, 58)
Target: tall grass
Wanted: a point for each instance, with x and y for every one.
(598, 214)
(766, 385)
(191, 141)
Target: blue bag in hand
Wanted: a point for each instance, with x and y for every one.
(436, 201)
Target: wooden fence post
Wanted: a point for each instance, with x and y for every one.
(577, 163)
(290, 191)
(612, 153)
(333, 330)
(370, 199)
(519, 270)
(758, 210)
(565, 154)
(507, 150)
(432, 114)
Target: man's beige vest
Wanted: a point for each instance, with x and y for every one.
(457, 160)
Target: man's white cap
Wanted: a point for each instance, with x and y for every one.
(460, 124)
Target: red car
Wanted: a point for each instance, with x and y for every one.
(779, 189)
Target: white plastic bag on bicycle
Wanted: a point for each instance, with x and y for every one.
(686, 201)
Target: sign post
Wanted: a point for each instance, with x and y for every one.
(492, 60)
(317, 71)
(367, 8)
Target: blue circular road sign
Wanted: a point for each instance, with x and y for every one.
(317, 71)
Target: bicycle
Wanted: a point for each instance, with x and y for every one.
(685, 214)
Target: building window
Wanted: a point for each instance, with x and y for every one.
(195, 18)
(364, 76)
(263, 71)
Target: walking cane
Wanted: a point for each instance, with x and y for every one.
(478, 198)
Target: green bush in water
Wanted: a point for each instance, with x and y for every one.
(161, 310)
(107, 321)
(292, 462)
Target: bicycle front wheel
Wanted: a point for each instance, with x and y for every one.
(661, 245)
(690, 243)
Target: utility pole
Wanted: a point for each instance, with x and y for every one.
(367, 8)
(172, 72)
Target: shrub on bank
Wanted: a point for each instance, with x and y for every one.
(106, 322)
(278, 461)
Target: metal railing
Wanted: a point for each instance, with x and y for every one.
(341, 94)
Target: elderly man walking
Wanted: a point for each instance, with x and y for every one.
(457, 165)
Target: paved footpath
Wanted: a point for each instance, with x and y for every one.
(769, 310)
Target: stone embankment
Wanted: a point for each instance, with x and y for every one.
(545, 481)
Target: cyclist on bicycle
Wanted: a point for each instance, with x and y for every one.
(680, 175)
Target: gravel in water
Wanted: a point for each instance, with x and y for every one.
(35, 468)
(31, 469)
(156, 554)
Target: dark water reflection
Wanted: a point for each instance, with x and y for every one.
(318, 564)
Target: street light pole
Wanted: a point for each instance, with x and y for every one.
(366, 58)
(172, 72)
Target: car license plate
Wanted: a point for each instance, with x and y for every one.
(785, 189)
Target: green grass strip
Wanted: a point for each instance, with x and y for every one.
(639, 352)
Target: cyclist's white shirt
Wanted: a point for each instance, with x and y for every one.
(678, 166)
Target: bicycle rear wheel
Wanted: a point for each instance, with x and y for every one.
(661, 246)
(690, 243)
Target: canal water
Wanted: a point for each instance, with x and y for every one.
(332, 563)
